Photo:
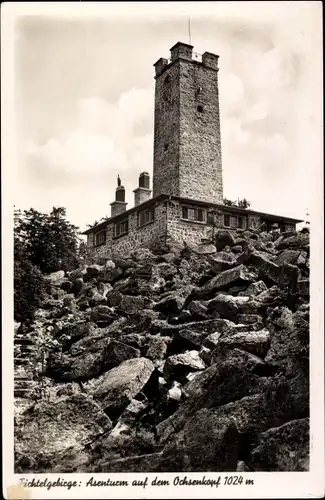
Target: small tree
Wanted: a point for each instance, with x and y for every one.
(30, 287)
(244, 203)
(50, 241)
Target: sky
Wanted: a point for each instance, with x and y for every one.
(84, 100)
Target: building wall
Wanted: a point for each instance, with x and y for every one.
(168, 223)
(166, 132)
(200, 166)
(151, 234)
(187, 144)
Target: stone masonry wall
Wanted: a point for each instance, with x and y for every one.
(187, 143)
(145, 236)
(166, 132)
(200, 165)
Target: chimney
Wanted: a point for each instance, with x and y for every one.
(118, 206)
(143, 192)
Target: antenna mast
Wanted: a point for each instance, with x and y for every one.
(189, 30)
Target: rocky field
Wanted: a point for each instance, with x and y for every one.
(191, 358)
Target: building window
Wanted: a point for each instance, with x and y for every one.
(100, 238)
(200, 109)
(121, 227)
(146, 216)
(194, 214)
(227, 220)
(234, 221)
(166, 147)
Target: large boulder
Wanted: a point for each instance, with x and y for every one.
(235, 276)
(56, 279)
(230, 377)
(285, 275)
(72, 332)
(49, 429)
(284, 448)
(203, 446)
(229, 307)
(222, 261)
(223, 238)
(178, 365)
(116, 352)
(289, 340)
(115, 389)
(254, 289)
(298, 240)
(254, 342)
(172, 304)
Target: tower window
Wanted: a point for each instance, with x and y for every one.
(167, 79)
(166, 146)
(200, 109)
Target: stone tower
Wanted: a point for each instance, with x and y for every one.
(187, 145)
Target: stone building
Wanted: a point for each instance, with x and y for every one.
(187, 199)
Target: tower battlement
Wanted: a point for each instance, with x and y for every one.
(184, 51)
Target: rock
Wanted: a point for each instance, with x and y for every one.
(104, 288)
(202, 248)
(231, 376)
(254, 289)
(203, 446)
(289, 345)
(167, 271)
(172, 304)
(109, 264)
(102, 313)
(138, 463)
(288, 256)
(303, 287)
(284, 448)
(222, 261)
(178, 365)
(93, 270)
(109, 275)
(237, 249)
(116, 352)
(60, 426)
(251, 319)
(198, 308)
(157, 347)
(228, 306)
(115, 389)
(143, 254)
(132, 304)
(254, 342)
(195, 333)
(72, 332)
(236, 276)
(76, 273)
(223, 238)
(205, 354)
(67, 286)
(298, 240)
(66, 368)
(168, 257)
(55, 279)
(175, 391)
(285, 275)
(77, 285)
